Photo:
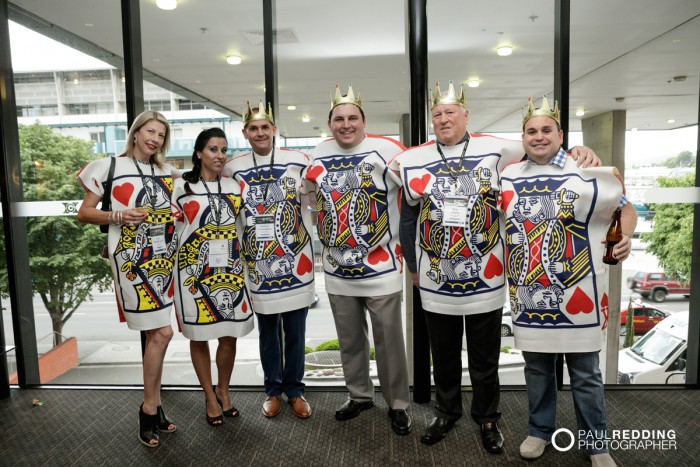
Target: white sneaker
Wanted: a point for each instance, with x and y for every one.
(602, 460)
(533, 447)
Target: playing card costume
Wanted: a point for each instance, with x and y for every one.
(280, 258)
(557, 282)
(278, 252)
(460, 260)
(556, 215)
(210, 294)
(141, 256)
(358, 220)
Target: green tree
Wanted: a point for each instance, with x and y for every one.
(683, 159)
(63, 254)
(673, 227)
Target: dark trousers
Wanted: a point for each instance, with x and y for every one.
(483, 349)
(289, 378)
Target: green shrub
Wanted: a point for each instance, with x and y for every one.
(308, 349)
(505, 349)
(328, 345)
(372, 353)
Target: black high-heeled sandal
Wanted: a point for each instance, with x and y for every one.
(148, 429)
(163, 421)
(232, 412)
(213, 420)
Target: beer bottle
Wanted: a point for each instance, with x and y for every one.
(613, 237)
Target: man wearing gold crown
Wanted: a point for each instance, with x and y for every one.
(358, 227)
(556, 214)
(450, 223)
(277, 248)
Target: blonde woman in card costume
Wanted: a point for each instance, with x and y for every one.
(141, 247)
(211, 300)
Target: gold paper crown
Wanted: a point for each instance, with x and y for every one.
(543, 111)
(249, 116)
(450, 98)
(349, 98)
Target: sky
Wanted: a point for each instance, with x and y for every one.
(641, 147)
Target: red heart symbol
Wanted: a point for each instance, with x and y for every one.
(314, 172)
(304, 266)
(378, 255)
(605, 308)
(579, 303)
(494, 267)
(122, 193)
(506, 198)
(418, 184)
(244, 307)
(191, 209)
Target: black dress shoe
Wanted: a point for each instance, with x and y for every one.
(400, 421)
(492, 438)
(351, 409)
(436, 430)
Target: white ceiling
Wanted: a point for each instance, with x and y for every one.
(629, 49)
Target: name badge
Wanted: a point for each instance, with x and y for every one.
(157, 234)
(218, 253)
(454, 212)
(265, 228)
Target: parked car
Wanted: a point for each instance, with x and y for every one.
(659, 357)
(645, 318)
(656, 285)
(507, 321)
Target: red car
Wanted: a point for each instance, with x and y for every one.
(645, 318)
(656, 285)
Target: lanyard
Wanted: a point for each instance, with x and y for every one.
(217, 213)
(461, 159)
(257, 170)
(151, 195)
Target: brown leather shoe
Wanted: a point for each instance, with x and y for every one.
(300, 407)
(271, 407)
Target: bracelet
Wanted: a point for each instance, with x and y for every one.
(121, 217)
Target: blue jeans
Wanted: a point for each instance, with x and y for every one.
(289, 378)
(586, 387)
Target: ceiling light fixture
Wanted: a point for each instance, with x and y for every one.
(291, 107)
(305, 119)
(233, 59)
(670, 120)
(166, 4)
(473, 83)
(580, 113)
(504, 50)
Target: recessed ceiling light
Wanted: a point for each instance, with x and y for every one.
(305, 119)
(89, 25)
(291, 107)
(634, 129)
(473, 83)
(670, 120)
(233, 59)
(580, 113)
(166, 4)
(504, 51)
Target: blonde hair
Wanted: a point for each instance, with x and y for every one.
(142, 119)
